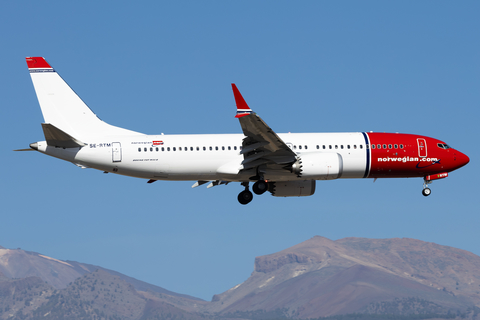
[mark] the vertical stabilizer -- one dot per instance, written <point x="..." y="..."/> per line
<point x="63" y="108"/>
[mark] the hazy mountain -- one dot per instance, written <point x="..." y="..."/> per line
<point x="95" y="295"/>
<point x="316" y="278"/>
<point x="21" y="264"/>
<point x="321" y="277"/>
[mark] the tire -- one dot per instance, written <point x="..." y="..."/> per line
<point x="426" y="192"/>
<point x="260" y="187"/>
<point x="245" y="197"/>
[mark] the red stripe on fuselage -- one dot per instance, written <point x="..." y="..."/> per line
<point x="397" y="155"/>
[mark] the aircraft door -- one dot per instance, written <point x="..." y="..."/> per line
<point x="116" y="152"/>
<point x="422" y="147"/>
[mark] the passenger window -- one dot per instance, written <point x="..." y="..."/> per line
<point x="300" y="147"/>
<point x="401" y="146"/>
<point x="323" y="146"/>
<point x="223" y="148"/>
<point x="330" y="146"/>
<point x="204" y="148"/>
<point x="336" y="146"/>
<point x="145" y="149"/>
<point x="373" y="146"/>
<point x="156" y="149"/>
<point x="198" y="148"/>
<point x="361" y="146"/>
<point x="318" y="147"/>
<point x="384" y="146"/>
<point x="174" y="149"/>
<point x="341" y="147"/>
<point x="163" y="148"/>
<point x="348" y="146"/>
<point x="235" y="148"/>
<point x="229" y="148"/>
<point x="306" y="147"/>
<point x="294" y="147"/>
<point x="395" y="146"/>
<point x="168" y="148"/>
<point x="139" y="149"/>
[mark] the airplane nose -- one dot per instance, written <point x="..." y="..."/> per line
<point x="461" y="159"/>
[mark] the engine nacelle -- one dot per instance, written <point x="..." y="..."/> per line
<point x="301" y="188"/>
<point x="319" y="166"/>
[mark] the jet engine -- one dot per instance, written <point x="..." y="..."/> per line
<point x="301" y="188"/>
<point x="318" y="166"/>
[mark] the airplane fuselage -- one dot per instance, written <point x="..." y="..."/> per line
<point x="217" y="156"/>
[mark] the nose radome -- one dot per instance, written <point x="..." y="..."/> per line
<point x="462" y="159"/>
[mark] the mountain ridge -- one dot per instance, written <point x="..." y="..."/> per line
<point x="18" y="263"/>
<point x="316" y="278"/>
<point x="432" y="269"/>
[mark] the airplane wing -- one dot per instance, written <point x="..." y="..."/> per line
<point x="261" y="144"/>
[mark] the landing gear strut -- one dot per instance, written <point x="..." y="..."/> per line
<point x="426" y="190"/>
<point x="246" y="195"/>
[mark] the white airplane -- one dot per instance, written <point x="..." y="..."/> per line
<point x="287" y="165"/>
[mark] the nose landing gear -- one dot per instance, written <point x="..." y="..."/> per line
<point x="426" y="190"/>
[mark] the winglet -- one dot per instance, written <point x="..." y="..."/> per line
<point x="37" y="63"/>
<point x="242" y="107"/>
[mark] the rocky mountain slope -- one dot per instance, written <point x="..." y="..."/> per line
<point x="21" y="264"/>
<point x="316" y="278"/>
<point x="321" y="277"/>
<point x="95" y="295"/>
<point x="34" y="286"/>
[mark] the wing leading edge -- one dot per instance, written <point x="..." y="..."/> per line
<point x="261" y="145"/>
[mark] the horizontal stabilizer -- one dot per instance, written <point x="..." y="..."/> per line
<point x="58" y="138"/>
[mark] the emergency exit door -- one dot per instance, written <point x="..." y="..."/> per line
<point x="422" y="147"/>
<point x="116" y="152"/>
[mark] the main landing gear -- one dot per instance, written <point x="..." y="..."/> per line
<point x="260" y="187"/>
<point x="426" y="190"/>
<point x="246" y="196"/>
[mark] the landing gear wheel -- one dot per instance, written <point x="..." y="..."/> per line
<point x="245" y="197"/>
<point x="260" y="187"/>
<point x="426" y="192"/>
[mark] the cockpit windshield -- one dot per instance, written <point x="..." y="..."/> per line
<point x="443" y="145"/>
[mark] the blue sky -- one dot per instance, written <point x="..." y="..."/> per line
<point x="310" y="66"/>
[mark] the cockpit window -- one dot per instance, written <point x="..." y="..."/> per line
<point x="443" y="145"/>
